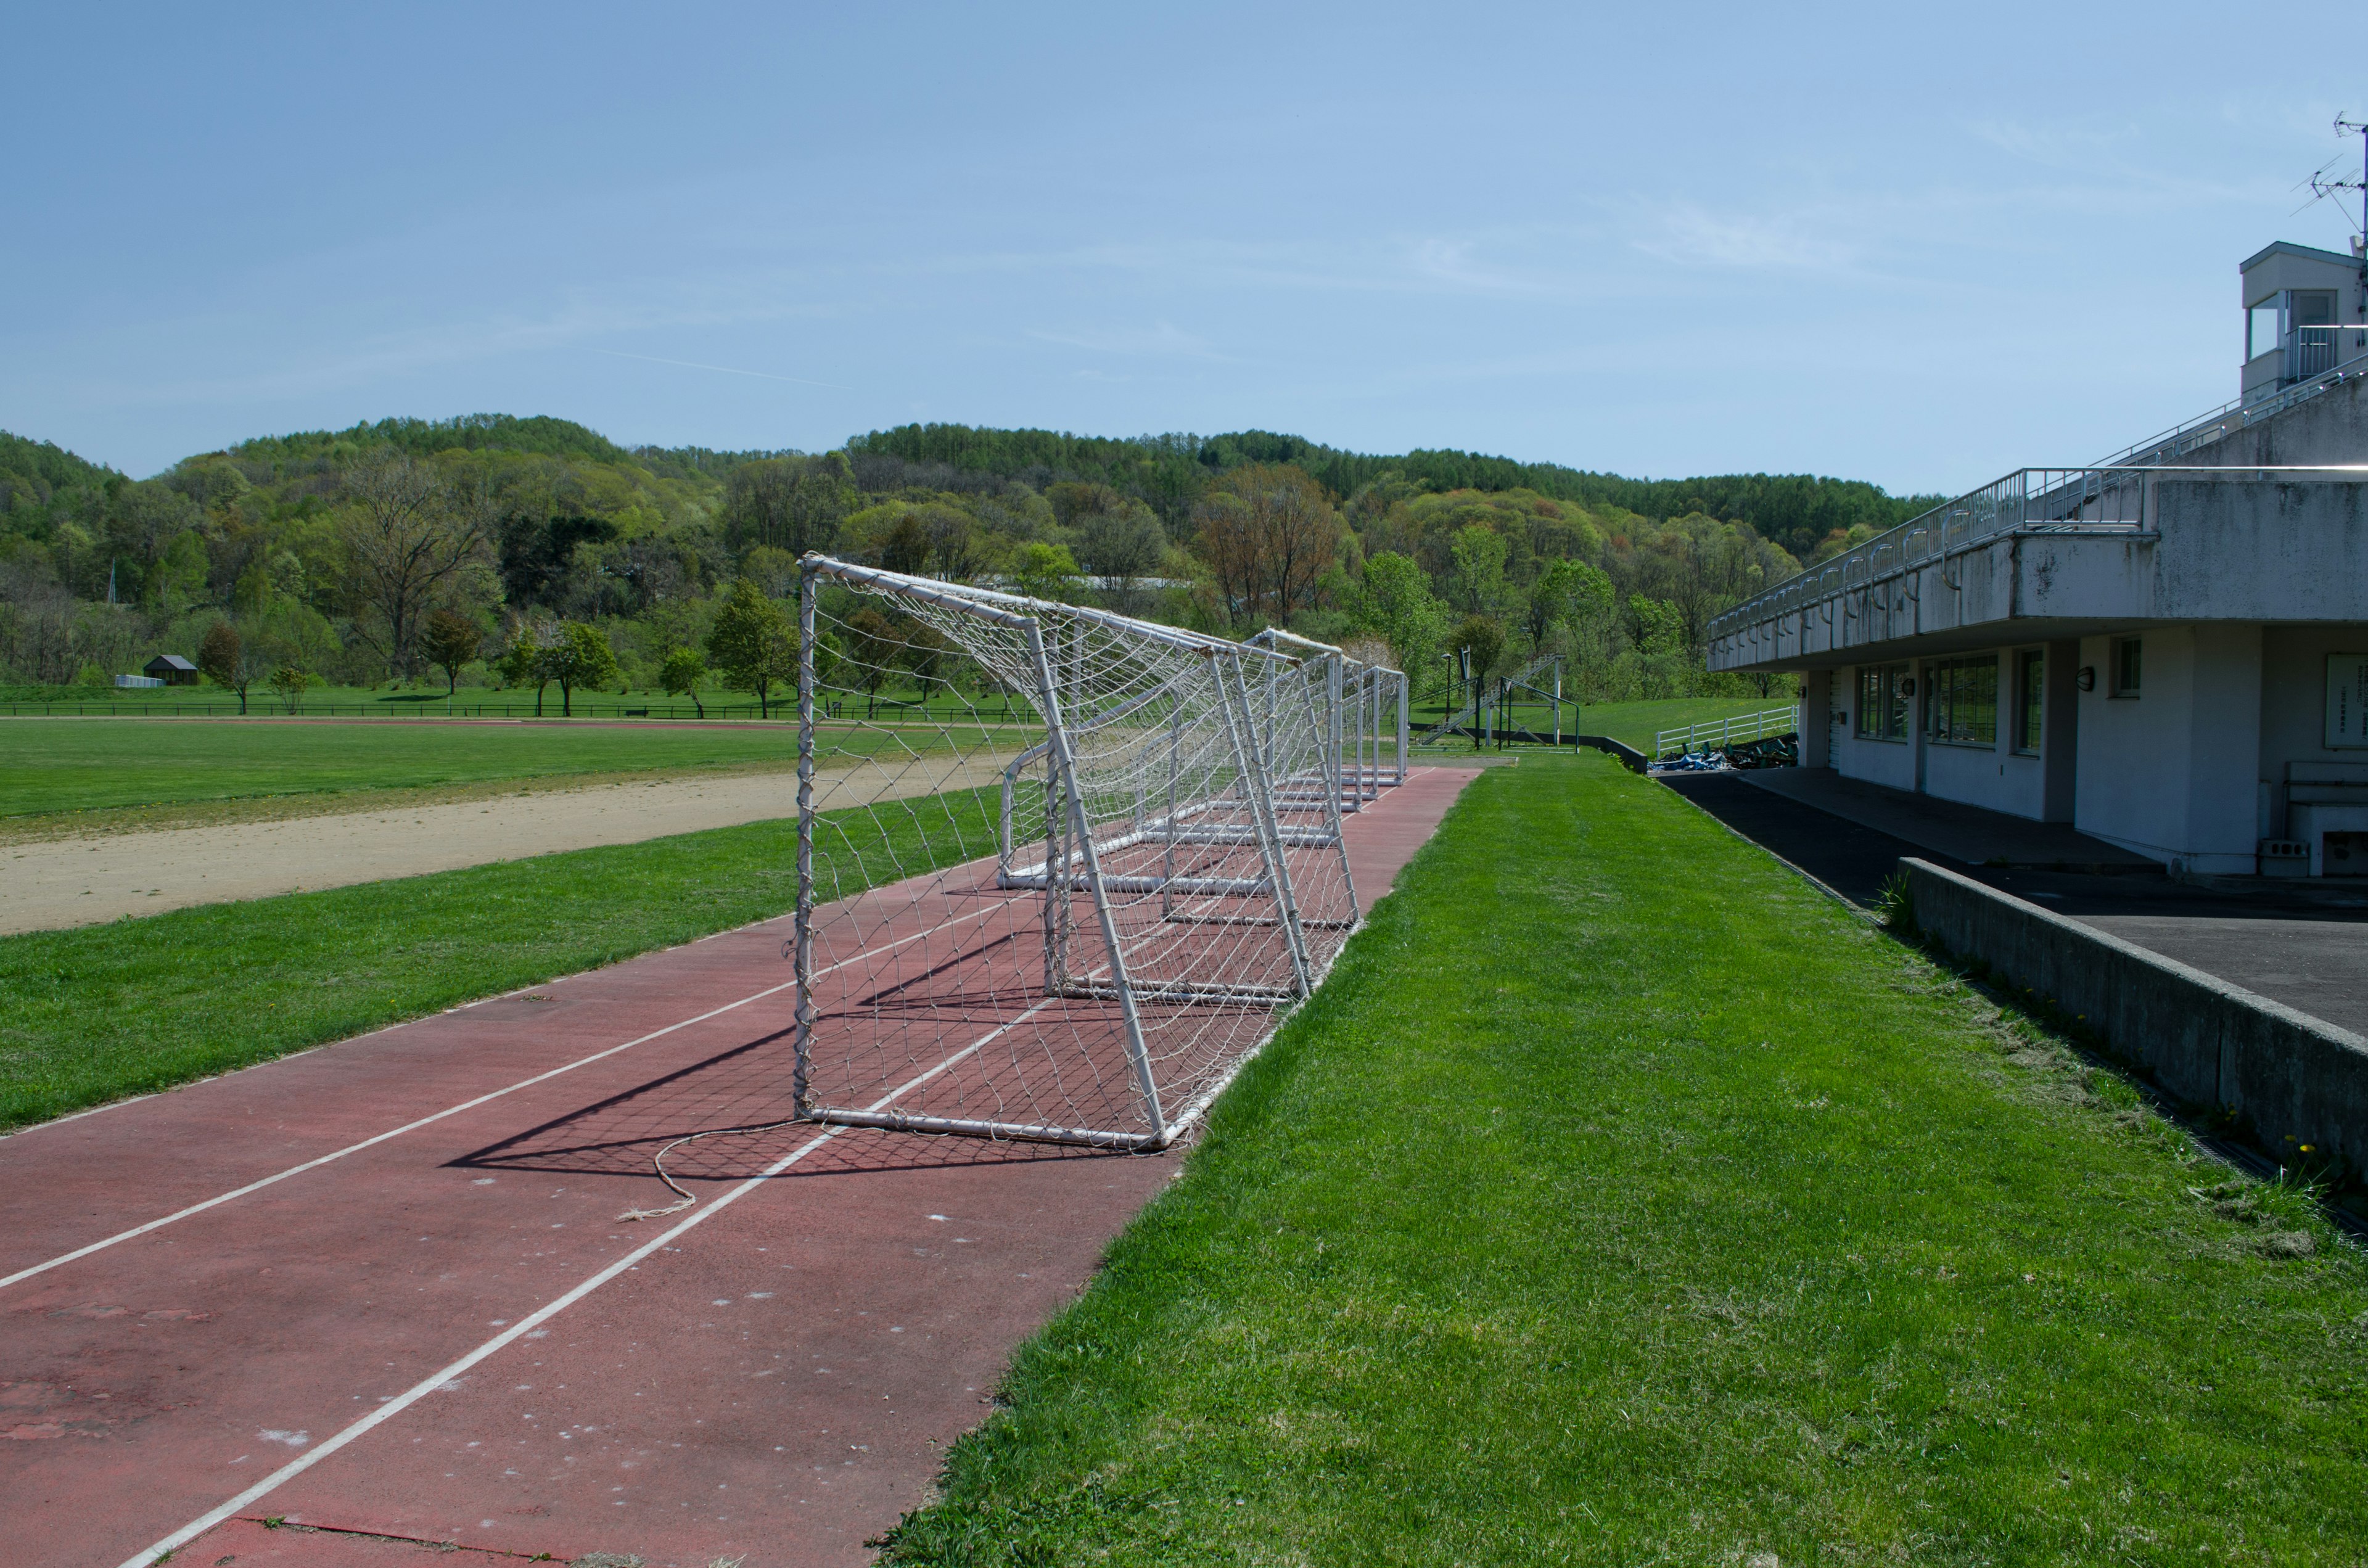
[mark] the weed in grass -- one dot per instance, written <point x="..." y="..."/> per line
<point x="1786" y="1243"/>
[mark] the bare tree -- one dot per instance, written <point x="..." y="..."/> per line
<point x="1268" y="532"/>
<point x="407" y="535"/>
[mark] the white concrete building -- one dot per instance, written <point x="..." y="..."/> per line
<point x="2168" y="650"/>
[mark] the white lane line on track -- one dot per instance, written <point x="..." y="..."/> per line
<point x="435" y="1379"/>
<point x="216" y="1201"/>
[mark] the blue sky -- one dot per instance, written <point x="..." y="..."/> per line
<point x="1919" y="245"/>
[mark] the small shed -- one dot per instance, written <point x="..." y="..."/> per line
<point x="172" y="669"/>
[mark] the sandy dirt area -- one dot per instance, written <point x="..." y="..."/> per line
<point x="86" y="881"/>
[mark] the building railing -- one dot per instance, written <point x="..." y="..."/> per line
<point x="2029" y="497"/>
<point x="2030" y="500"/>
<point x="2310" y="352"/>
<point x="2238" y="413"/>
<point x="1716" y="735"/>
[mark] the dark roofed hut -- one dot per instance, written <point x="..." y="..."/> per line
<point x="172" y="669"/>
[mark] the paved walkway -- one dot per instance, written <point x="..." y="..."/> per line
<point x="1969" y="834"/>
<point x="459" y="1340"/>
<point x="2306" y="947"/>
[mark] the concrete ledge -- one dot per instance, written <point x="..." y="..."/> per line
<point x="2291" y="1078"/>
<point x="1629" y="755"/>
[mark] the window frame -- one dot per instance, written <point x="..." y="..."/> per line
<point x="1950" y="690"/>
<point x="2127" y="654"/>
<point x="1883" y="712"/>
<point x="2029" y="700"/>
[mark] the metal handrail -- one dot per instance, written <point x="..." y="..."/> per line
<point x="2234" y="415"/>
<point x="2029" y="499"/>
<point x="1723" y="731"/>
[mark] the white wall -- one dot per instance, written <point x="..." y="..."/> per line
<point x="2173" y="773"/>
<point x="2293" y="704"/>
<point x="1855" y="756"/>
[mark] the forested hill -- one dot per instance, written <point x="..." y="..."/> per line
<point x="1169" y="472"/>
<point x="356" y="554"/>
<point x="33" y="472"/>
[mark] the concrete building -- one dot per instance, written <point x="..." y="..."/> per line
<point x="2168" y="650"/>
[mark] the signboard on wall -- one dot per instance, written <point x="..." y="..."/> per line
<point x="2347" y="702"/>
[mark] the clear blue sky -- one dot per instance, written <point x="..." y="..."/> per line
<point x="1917" y="244"/>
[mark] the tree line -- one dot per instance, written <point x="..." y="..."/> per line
<point x="533" y="553"/>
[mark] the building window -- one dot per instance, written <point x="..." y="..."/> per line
<point x="2031" y="692"/>
<point x="1882" y="704"/>
<point x="2129" y="665"/>
<point x="2264" y="326"/>
<point x="1963" y="706"/>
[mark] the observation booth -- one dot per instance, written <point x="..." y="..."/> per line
<point x="2306" y="312"/>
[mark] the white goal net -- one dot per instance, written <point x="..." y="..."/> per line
<point x="1059" y="870"/>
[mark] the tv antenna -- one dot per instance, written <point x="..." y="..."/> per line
<point x="2323" y="188"/>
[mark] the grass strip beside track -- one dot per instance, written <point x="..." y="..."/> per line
<point x="97" y="1013"/>
<point x="66" y="768"/>
<point x="1622" y="1200"/>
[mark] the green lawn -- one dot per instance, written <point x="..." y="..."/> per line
<point x="61" y="765"/>
<point x="89" y="1015"/>
<point x="1622" y="1201"/>
<point x="384" y="702"/>
<point x="1633" y="723"/>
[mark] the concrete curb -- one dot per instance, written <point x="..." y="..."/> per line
<point x="1628" y="755"/>
<point x="2292" y="1078"/>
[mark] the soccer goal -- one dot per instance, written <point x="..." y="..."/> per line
<point x="1057" y="872"/>
<point x="1366" y="707"/>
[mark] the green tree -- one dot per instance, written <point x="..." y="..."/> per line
<point x="875" y="648"/>
<point x="579" y="656"/>
<point x="289" y="684"/>
<point x="1044" y="571"/>
<point x="753" y="644"/>
<point x="1481" y="640"/>
<point x="1395" y="604"/>
<point x="681" y="675"/>
<point x="1478" y="551"/>
<point x="521" y="662"/>
<point x="450" y="640"/>
<point x="219" y="659"/>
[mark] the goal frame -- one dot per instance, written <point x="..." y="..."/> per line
<point x="1255" y="732"/>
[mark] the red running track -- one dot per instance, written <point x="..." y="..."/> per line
<point x="449" y="1340"/>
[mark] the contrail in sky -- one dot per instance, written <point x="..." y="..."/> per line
<point x="726" y="369"/>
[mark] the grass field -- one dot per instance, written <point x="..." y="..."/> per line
<point x="1599" y="1214"/>
<point x="1633" y="723"/>
<point x="90" y="1015"/>
<point x="71" y="765"/>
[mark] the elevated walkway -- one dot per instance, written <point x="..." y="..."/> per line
<point x="1971" y="835"/>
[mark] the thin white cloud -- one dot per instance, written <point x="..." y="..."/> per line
<point x="1164" y="338"/>
<point x="722" y="370"/>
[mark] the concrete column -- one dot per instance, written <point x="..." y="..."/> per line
<point x="2224" y="749"/>
<point x="1920" y="670"/>
<point x="2059" y="734"/>
<point x="1816" y="717"/>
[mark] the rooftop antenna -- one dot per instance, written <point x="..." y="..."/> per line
<point x="2323" y="188"/>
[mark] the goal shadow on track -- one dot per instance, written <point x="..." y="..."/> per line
<point x="745" y="1086"/>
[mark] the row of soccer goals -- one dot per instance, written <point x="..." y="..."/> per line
<point x="1060" y="871"/>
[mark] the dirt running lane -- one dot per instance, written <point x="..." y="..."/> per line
<point x="779" y="1381"/>
<point x="84" y="882"/>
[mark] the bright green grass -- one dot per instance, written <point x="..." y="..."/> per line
<point x="1633" y="723"/>
<point x="1622" y="1201"/>
<point x="90" y="1015"/>
<point x="58" y="765"/>
<point x="1638" y="723"/>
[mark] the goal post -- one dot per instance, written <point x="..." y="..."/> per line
<point x="1094" y="858"/>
